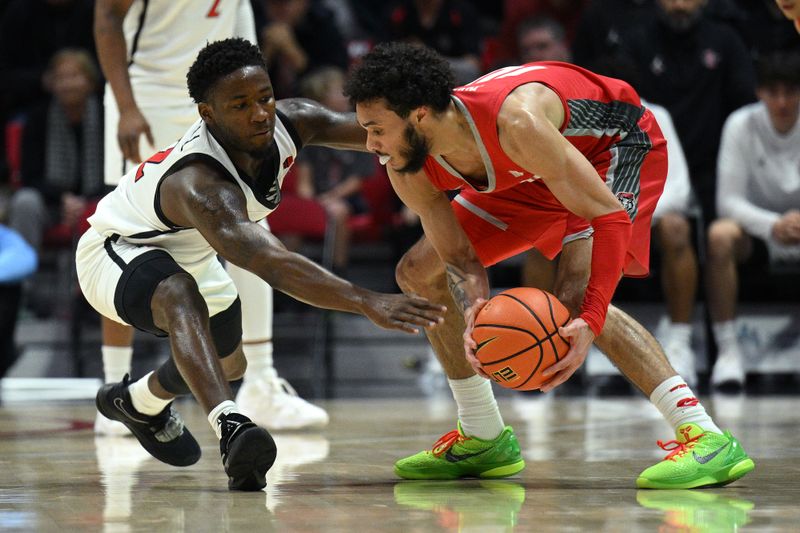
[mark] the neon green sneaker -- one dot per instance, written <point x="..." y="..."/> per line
<point x="694" y="510"/>
<point x="480" y="505"/>
<point x="697" y="459"/>
<point x="455" y="456"/>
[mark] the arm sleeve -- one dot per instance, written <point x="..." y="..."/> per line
<point x="17" y="258"/>
<point x="733" y="176"/>
<point x="612" y="233"/>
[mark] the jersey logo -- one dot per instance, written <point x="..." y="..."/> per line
<point x="516" y="173"/>
<point x="154" y="159"/>
<point x="288" y="162"/>
<point x="213" y="12"/>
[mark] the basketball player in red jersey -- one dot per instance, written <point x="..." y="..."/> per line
<point x="545" y="155"/>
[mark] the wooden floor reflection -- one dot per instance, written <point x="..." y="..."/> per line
<point x="583" y="456"/>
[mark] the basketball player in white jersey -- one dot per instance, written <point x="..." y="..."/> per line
<point x="145" y="49"/>
<point x="150" y="257"/>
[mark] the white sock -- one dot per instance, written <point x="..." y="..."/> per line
<point x="725" y="335"/>
<point x="477" y="407"/>
<point x="145" y="401"/>
<point x="116" y="362"/>
<point x="681" y="332"/>
<point x="259" y="359"/>
<point x="678" y="404"/>
<point x="225" y="408"/>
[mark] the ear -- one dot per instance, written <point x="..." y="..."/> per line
<point x="205" y="112"/>
<point x="419" y="114"/>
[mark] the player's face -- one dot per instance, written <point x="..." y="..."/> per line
<point x="790" y="8"/>
<point x="783" y="105"/>
<point x="395" y="139"/>
<point x="241" y="110"/>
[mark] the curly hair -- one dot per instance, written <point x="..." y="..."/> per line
<point x="218" y="59"/>
<point x="406" y="76"/>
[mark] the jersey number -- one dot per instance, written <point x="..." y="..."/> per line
<point x="155" y="159"/>
<point x="213" y="13"/>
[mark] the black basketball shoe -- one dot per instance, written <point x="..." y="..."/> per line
<point x="248" y="451"/>
<point x="163" y="435"/>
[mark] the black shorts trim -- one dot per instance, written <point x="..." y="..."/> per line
<point x="137" y="285"/>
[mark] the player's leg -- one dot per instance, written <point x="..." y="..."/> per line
<point x="166" y="124"/>
<point x="481" y="445"/>
<point x="727" y="245"/>
<point x="679" y="274"/>
<point x="264" y="396"/>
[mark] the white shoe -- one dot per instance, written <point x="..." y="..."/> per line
<point x="681" y="357"/>
<point x="272" y="403"/>
<point x="728" y="370"/>
<point x="110" y="428"/>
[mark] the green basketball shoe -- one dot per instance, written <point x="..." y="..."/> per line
<point x="455" y="456"/>
<point x="695" y="510"/>
<point x="697" y="459"/>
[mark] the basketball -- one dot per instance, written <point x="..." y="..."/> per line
<point x="517" y="336"/>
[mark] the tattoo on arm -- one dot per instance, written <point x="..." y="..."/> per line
<point x="455" y="283"/>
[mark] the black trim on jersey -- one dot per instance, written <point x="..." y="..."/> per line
<point x="179" y="164"/>
<point x="265" y="186"/>
<point x="139" y="28"/>
<point x="298" y="142"/>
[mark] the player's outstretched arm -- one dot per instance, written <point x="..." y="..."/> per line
<point x="318" y="125"/>
<point x="216" y="207"/>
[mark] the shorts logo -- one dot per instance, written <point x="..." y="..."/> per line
<point x="628" y="201"/>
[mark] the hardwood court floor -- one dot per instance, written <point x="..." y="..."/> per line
<point x="583" y="455"/>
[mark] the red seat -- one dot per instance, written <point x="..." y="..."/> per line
<point x="14" y="129"/>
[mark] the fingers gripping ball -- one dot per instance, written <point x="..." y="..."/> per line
<point x="517" y="336"/>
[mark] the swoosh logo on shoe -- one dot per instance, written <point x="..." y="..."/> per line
<point x="454" y="458"/>
<point x="703" y="459"/>
<point x="119" y="404"/>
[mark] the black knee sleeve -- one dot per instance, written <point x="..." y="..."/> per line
<point x="226" y="332"/>
<point x="170" y="378"/>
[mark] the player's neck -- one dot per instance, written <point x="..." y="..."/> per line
<point x="453" y="137"/>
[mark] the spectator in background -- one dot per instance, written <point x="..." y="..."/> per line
<point x="31" y="31"/>
<point x="297" y="37"/>
<point x="565" y="12"/>
<point x="448" y="26"/>
<point x="333" y="177"/>
<point x="758" y="197"/>
<point x="542" y="39"/>
<point x="764" y="27"/>
<point x="605" y="25"/>
<point x="62" y="158"/>
<point x="791" y="10"/>
<point x="700" y="71"/>
<point x="17" y="261"/>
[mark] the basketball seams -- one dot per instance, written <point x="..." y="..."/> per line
<point x="509" y="320"/>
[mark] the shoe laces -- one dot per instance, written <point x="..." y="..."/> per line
<point x="447" y="441"/>
<point x="677" y="448"/>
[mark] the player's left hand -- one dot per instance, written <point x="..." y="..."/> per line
<point x="469" y="343"/>
<point x="580" y="337"/>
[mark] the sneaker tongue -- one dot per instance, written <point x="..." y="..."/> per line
<point x="687" y="432"/>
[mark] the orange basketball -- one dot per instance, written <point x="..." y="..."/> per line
<point x="517" y="336"/>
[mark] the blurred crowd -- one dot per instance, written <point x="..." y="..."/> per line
<point x="724" y="75"/>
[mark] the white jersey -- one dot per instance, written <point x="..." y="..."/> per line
<point x="132" y="213"/>
<point x="164" y="36"/>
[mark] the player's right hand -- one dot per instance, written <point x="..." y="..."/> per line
<point x="398" y="311"/>
<point x="132" y="125"/>
<point x="469" y="343"/>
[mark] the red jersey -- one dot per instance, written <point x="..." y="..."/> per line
<point x="598" y="112"/>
